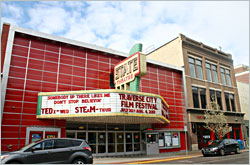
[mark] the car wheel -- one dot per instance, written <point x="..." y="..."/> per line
<point x="237" y="150"/>
<point x="205" y="155"/>
<point x="78" y="161"/>
<point x="222" y="152"/>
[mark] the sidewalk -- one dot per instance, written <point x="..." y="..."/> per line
<point x="127" y="159"/>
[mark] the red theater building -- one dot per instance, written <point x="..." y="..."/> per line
<point x="57" y="87"/>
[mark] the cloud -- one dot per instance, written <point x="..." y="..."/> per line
<point x="119" y="25"/>
<point x="11" y="13"/>
<point x="48" y="18"/>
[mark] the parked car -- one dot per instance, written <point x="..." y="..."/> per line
<point x="56" y="151"/>
<point x="221" y="147"/>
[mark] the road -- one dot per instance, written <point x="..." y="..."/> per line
<point x="242" y="158"/>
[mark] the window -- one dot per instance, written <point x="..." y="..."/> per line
<point x="37" y="146"/>
<point x="230" y="102"/>
<point x="191" y="67"/>
<point x="229" y="83"/>
<point x="199" y="69"/>
<point x="169" y="139"/>
<point x="223" y="79"/>
<point x="76" y="142"/>
<point x="215" y="74"/>
<point x="227" y="101"/>
<point x="48" y="144"/>
<point x="195" y="97"/>
<point x="61" y="143"/>
<point x="192" y="62"/>
<point x="199" y="97"/>
<point x="216" y="95"/>
<point x="203" y="98"/>
<point x="209" y="74"/>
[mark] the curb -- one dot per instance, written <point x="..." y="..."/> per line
<point x="172" y="157"/>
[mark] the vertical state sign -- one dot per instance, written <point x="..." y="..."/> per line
<point x="128" y="69"/>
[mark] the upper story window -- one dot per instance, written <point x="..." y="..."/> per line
<point x="195" y="68"/>
<point x="230" y="102"/>
<point x="225" y="76"/>
<point x="199" y="97"/>
<point x="215" y="74"/>
<point x="199" y="69"/>
<point x="223" y="79"/>
<point x="191" y="67"/>
<point x="209" y="73"/>
<point x="229" y="83"/>
<point x="196" y="97"/>
<point x="216" y="96"/>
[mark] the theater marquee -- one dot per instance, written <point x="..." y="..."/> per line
<point x="103" y="105"/>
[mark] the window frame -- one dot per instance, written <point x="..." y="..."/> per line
<point x="216" y="98"/>
<point x="200" y="102"/>
<point x="193" y="71"/>
<point x="208" y="69"/>
<point x="199" y="69"/>
<point x="228" y="77"/>
<point x="232" y="106"/>
<point x="216" y="80"/>
<point x="194" y="105"/>
<point x="223" y="76"/>
<point x="169" y="133"/>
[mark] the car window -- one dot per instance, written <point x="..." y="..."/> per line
<point x="37" y="146"/>
<point x="233" y="141"/>
<point x="215" y="143"/>
<point x="226" y="141"/>
<point x="47" y="144"/>
<point x="76" y="142"/>
<point x="62" y="143"/>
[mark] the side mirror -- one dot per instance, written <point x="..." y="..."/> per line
<point x="33" y="149"/>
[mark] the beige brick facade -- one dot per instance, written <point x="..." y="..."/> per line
<point x="177" y="52"/>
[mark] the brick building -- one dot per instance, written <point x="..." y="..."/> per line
<point x="37" y="67"/>
<point x="242" y="79"/>
<point x="208" y="72"/>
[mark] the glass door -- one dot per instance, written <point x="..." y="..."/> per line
<point x="111" y="142"/>
<point x="120" y="141"/>
<point x="92" y="141"/>
<point x="129" y="145"/>
<point x="137" y="143"/>
<point x="101" y="142"/>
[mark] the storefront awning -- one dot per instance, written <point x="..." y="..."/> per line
<point x="103" y="106"/>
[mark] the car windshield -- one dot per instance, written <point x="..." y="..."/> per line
<point x="215" y="143"/>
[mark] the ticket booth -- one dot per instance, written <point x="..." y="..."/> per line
<point x="152" y="143"/>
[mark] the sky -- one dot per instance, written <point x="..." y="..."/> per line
<point x="119" y="25"/>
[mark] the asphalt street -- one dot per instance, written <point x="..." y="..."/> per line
<point x="242" y="158"/>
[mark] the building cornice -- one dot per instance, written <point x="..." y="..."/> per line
<point x="213" y="55"/>
<point x="197" y="110"/>
<point x="241" y="73"/>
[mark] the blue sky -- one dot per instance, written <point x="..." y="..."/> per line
<point x="120" y="24"/>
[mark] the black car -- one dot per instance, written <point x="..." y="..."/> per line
<point x="56" y="151"/>
<point x="221" y="147"/>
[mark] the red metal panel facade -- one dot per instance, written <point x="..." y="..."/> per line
<point x="42" y="66"/>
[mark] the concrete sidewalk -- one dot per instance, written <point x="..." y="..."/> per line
<point x="127" y="159"/>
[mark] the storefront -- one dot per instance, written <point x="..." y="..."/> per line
<point x="39" y="66"/>
<point x="202" y="136"/>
